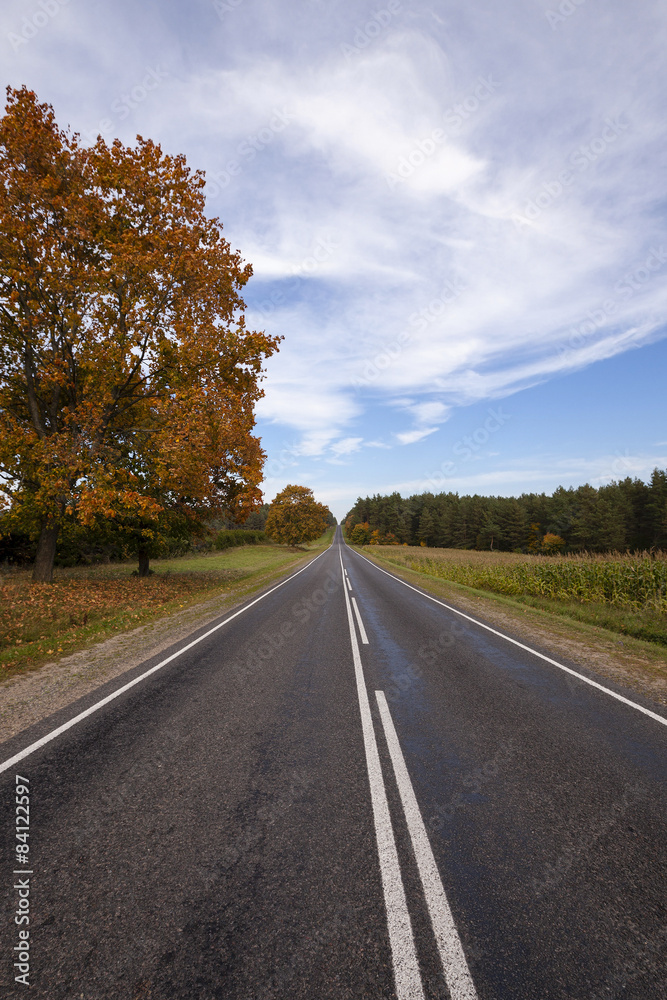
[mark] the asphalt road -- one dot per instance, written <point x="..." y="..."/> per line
<point x="253" y="820"/>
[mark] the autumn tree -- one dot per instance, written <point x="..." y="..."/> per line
<point x="360" y="534"/>
<point x="296" y="517"/>
<point x="128" y="378"/>
<point x="552" y="544"/>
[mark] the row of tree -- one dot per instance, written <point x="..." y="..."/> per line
<point x="127" y="376"/>
<point x="294" y="517"/>
<point x="621" y="516"/>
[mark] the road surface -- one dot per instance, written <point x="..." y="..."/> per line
<point x="344" y="789"/>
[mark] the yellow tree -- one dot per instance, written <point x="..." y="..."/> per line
<point x="360" y="534"/>
<point x="128" y="378"/>
<point x="295" y="516"/>
<point x="552" y="544"/>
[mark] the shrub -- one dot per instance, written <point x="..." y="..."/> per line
<point x="230" y="538"/>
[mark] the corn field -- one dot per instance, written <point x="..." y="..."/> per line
<point x="633" y="582"/>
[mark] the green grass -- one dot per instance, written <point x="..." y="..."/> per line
<point x="84" y="605"/>
<point x="241" y="559"/>
<point x="233" y="562"/>
<point x="626" y="594"/>
<point x="323" y="541"/>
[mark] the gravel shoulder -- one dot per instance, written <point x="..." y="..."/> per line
<point x="635" y="665"/>
<point x="28" y="698"/>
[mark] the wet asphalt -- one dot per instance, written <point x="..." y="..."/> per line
<point x="209" y="833"/>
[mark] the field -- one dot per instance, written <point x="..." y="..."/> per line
<point x="623" y="593"/>
<point x="40" y="622"/>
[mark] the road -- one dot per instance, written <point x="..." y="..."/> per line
<point x="344" y="789"/>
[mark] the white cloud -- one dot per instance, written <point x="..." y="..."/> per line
<point x="526" y="291"/>
<point x="410" y="437"/>
<point x="539" y="473"/>
<point x="313" y="143"/>
<point x="346" y="446"/>
<point x="426" y="413"/>
<point x="478" y="273"/>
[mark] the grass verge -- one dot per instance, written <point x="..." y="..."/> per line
<point x="40" y="623"/>
<point x="554" y="627"/>
<point x="622" y="593"/>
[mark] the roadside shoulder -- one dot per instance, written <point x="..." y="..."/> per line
<point x="28" y="698"/>
<point x="631" y="663"/>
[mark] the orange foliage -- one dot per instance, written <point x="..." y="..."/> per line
<point x="552" y="544"/>
<point x="377" y="538"/>
<point x="129" y="378"/>
<point x="295" y="516"/>
<point x="38" y="621"/>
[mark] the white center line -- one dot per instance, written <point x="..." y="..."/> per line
<point x="362" y="630"/>
<point x="349" y="585"/>
<point x="521" y="645"/>
<point x="457" y="974"/>
<point x="406" y="968"/>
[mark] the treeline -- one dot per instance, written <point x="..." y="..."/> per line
<point x="85" y="546"/>
<point x="255" y="522"/>
<point x="629" y="515"/>
<point x="79" y="545"/>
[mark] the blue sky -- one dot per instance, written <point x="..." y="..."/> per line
<point x="455" y="213"/>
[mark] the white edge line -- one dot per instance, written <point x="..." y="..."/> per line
<point x="406" y="967"/>
<point x="362" y="630"/>
<point x="455" y="967"/>
<point x="126" y="687"/>
<point x="521" y="645"/>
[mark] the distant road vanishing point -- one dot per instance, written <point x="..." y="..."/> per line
<point x="343" y="788"/>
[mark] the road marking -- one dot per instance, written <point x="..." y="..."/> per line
<point x="457" y="974"/>
<point x="126" y="687"/>
<point x="362" y="630"/>
<point x="347" y="581"/>
<point x="521" y="645"/>
<point x="406" y="968"/>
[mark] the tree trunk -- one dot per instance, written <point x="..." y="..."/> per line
<point x="144" y="561"/>
<point x="46" y="552"/>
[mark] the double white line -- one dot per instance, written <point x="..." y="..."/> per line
<point x="406" y="966"/>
